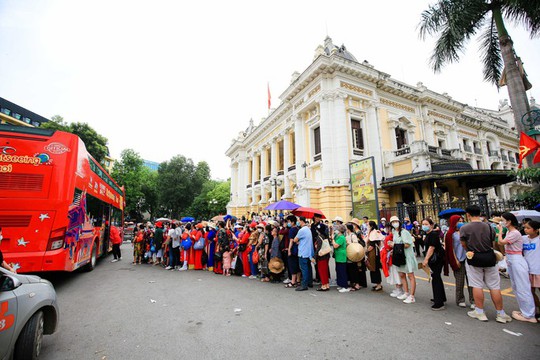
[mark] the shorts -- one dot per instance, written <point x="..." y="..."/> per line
<point x="159" y="253"/>
<point x="479" y="276"/>
<point x="294" y="265"/>
<point x="535" y="280"/>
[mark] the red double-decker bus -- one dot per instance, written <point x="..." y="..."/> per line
<point x="56" y="202"/>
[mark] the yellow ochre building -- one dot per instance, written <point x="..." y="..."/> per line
<point x="339" y="111"/>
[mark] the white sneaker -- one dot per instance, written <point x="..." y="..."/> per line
<point x="168" y="268"/>
<point x="473" y="307"/>
<point x="403" y="296"/>
<point x="182" y="269"/>
<point x="287" y="281"/>
<point x="503" y="319"/>
<point x="409" y="300"/>
<point x="344" y="290"/>
<point x="462" y="305"/>
<point x="252" y="277"/>
<point x="396" y="293"/>
<point x="114" y="260"/>
<point x="244" y="275"/>
<point x="476" y="315"/>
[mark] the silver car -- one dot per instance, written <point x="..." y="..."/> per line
<point x="28" y="309"/>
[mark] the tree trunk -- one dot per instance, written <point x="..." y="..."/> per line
<point x="514" y="81"/>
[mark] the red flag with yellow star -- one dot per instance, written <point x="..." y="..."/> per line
<point x="526" y="146"/>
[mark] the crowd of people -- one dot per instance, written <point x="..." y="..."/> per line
<point x="297" y="251"/>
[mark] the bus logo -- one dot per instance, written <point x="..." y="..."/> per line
<point x="57" y="148"/>
<point x="6" y="168"/>
<point x="7" y="150"/>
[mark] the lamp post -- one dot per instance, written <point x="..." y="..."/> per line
<point x="305" y="165"/>
<point x="275" y="182"/>
<point x="437" y="195"/>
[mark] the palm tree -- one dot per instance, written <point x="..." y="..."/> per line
<point x="456" y="21"/>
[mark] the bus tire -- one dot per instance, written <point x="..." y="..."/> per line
<point x="28" y="344"/>
<point x="93" y="259"/>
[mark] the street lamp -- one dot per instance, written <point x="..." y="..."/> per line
<point x="305" y="165"/>
<point x="275" y="182"/>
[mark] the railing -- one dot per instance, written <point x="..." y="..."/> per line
<point x="258" y="182"/>
<point x="280" y="172"/>
<point x="291" y="168"/>
<point x="446" y="152"/>
<point x="403" y="151"/>
<point x="432" y="149"/>
<point x="493" y="153"/>
<point x="504" y="157"/>
<point x="512" y="159"/>
<point x="467" y="148"/>
<point x="248" y="186"/>
<point x="359" y="152"/>
<point x="266" y="178"/>
<point x="317" y="157"/>
<point x="418" y="212"/>
<point x="478" y="151"/>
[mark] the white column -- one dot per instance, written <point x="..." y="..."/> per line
<point x="242" y="182"/>
<point x="286" y="163"/>
<point x="234" y="182"/>
<point x="326" y="123"/>
<point x="253" y="177"/>
<point x="299" y="142"/>
<point x="264" y="160"/>
<point x="372" y="142"/>
<point x="273" y="158"/>
<point x="340" y="146"/>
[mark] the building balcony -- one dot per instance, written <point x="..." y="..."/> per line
<point x="248" y="186"/>
<point x="266" y="178"/>
<point x="494" y="153"/>
<point x="317" y="157"/>
<point x="402" y="151"/>
<point x="258" y="182"/>
<point x="504" y="157"/>
<point x="478" y="151"/>
<point x="280" y="172"/>
<point x="512" y="159"/>
<point x="291" y="168"/>
<point x="467" y="148"/>
<point x="359" y="152"/>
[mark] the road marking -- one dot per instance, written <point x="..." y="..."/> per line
<point x="505" y="292"/>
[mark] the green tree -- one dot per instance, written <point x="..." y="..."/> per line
<point x="456" y="21"/>
<point x="128" y="171"/>
<point x="149" y="202"/>
<point x="179" y="182"/>
<point x="531" y="176"/>
<point x="95" y="143"/>
<point x="211" y="201"/>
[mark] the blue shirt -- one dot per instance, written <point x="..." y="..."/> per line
<point x="305" y="243"/>
<point x="458" y="248"/>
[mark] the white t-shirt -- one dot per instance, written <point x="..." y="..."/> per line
<point x="174" y="237"/>
<point x="531" y="252"/>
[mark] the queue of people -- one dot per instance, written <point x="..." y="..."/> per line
<point x="298" y="251"/>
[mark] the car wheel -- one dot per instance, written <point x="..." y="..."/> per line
<point x="28" y="344"/>
<point x="92" y="264"/>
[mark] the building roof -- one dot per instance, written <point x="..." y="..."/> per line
<point x="21" y="111"/>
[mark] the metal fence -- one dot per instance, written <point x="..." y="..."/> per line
<point x="417" y="212"/>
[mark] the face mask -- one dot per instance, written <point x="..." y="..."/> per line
<point x="395" y="224"/>
<point x="289" y="224"/>
<point x="459" y="225"/>
<point x="298" y="223"/>
<point x="260" y="230"/>
<point x="383" y="222"/>
<point x="425" y="228"/>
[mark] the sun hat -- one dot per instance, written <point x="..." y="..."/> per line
<point x="275" y="265"/>
<point x="383" y="219"/>
<point x="253" y="225"/>
<point x="338" y="218"/>
<point x="394" y="218"/>
<point x="260" y="225"/>
<point x="496" y="219"/>
<point x="356" y="222"/>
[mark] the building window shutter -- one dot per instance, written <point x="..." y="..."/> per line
<point x="317" y="140"/>
<point x="401" y="138"/>
<point x="357" y="135"/>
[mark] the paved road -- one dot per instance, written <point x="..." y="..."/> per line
<point x="109" y="314"/>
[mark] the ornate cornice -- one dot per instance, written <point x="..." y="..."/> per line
<point x="397" y="105"/>
<point x="355" y="88"/>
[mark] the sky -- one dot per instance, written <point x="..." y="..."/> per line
<point x="172" y="77"/>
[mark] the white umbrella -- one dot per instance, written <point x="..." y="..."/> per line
<point x="163" y="219"/>
<point x="531" y="214"/>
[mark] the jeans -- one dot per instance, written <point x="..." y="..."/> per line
<point x="253" y="266"/>
<point x="307" y="272"/>
<point x="174" y="256"/>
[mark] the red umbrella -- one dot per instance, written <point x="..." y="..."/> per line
<point x="308" y="212"/>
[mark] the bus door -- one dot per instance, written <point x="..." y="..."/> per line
<point x="106" y="243"/>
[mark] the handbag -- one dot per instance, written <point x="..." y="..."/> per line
<point x="186" y="244"/>
<point x="255" y="257"/>
<point x="199" y="245"/>
<point x="242" y="247"/>
<point x="482" y="259"/>
<point x="398" y="255"/>
<point x="325" y="248"/>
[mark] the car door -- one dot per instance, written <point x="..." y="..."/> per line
<point x="8" y="312"/>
